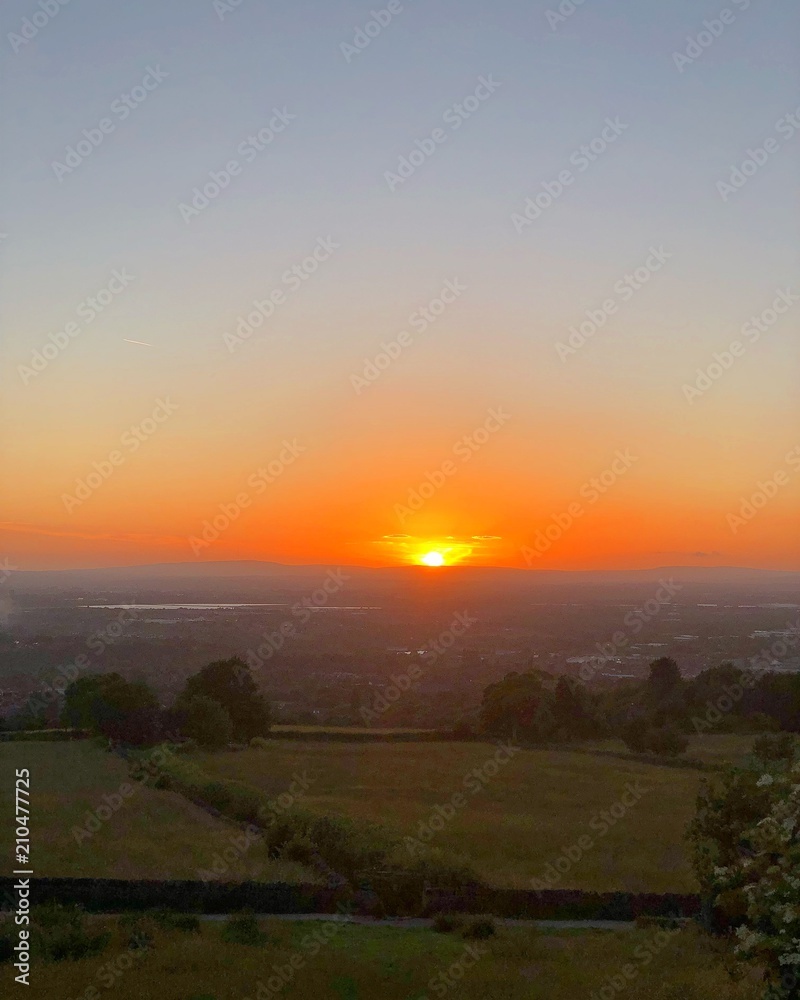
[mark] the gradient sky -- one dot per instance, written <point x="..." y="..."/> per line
<point x="494" y="347"/>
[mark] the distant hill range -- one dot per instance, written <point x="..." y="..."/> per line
<point x="211" y="578"/>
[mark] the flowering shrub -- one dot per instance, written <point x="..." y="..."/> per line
<point x="747" y="856"/>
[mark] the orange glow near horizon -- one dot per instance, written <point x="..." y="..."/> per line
<point x="372" y="493"/>
<point x="432" y="559"/>
<point x="354" y="366"/>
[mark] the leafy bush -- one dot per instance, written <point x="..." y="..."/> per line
<point x="746" y="839"/>
<point x="479" y="929"/>
<point x="670" y="923"/>
<point x="140" y="940"/>
<point x="230" y="682"/>
<point x="437" y="868"/>
<point x="666" y="742"/>
<point x="243" y="929"/>
<point x="774" y="746"/>
<point x="299" y="848"/>
<point x="170" y="920"/>
<point x="760" y="722"/>
<point x="445" y="923"/>
<point x="207" y="722"/>
<point x="634" y="735"/>
<point x="59" y="933"/>
<point x="350" y="848"/>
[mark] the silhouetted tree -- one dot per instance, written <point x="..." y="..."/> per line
<point x="520" y="705"/>
<point x="207" y="722"/>
<point x="118" y="709"/>
<point x="231" y="683"/>
<point x="664" y="677"/>
<point x="573" y="709"/>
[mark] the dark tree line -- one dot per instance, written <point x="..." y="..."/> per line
<point x="654" y="715"/>
<point x="219" y="704"/>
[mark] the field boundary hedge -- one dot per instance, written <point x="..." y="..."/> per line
<point x="433" y="736"/>
<point x="43" y="735"/>
<point x="121" y="895"/>
<point x="654" y="760"/>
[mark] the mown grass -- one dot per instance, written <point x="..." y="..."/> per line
<point x="153" y="834"/>
<point x="537" y="805"/>
<point x="348" y="962"/>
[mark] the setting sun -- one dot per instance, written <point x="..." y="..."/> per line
<point x="432" y="559"/>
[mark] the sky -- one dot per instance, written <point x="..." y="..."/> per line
<point x="508" y="258"/>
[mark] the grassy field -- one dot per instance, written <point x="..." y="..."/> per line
<point x="333" y="962"/>
<point x="512" y="824"/>
<point x="722" y="749"/>
<point x="152" y="834"/>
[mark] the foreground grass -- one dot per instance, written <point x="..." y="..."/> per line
<point x="152" y="834"/>
<point x="335" y="962"/>
<point x="511" y="825"/>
